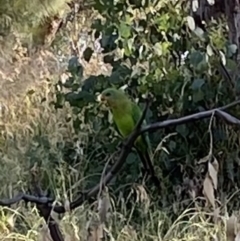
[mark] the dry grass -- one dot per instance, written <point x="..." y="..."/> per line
<point x="83" y="224"/>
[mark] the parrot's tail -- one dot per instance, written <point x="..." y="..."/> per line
<point x="148" y="166"/>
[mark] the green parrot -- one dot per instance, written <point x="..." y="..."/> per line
<point x="126" y="114"/>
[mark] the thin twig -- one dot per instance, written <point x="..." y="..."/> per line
<point x="211" y="135"/>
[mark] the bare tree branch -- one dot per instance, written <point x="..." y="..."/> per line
<point x="187" y="119"/>
<point x="26" y="198"/>
<point x="43" y="209"/>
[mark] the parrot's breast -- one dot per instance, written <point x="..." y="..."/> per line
<point x="125" y="124"/>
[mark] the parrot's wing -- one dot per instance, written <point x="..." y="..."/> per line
<point x="116" y="128"/>
<point x="146" y="155"/>
<point x="137" y="113"/>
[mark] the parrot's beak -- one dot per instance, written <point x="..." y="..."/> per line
<point x="99" y="98"/>
<point x="102" y="98"/>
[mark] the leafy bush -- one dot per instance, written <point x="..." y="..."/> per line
<point x="145" y="43"/>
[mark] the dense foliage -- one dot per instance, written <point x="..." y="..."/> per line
<point x="152" y="46"/>
<point x="155" y="46"/>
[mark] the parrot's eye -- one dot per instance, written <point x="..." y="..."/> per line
<point x="107" y="94"/>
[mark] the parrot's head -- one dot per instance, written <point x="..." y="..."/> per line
<point x="112" y="97"/>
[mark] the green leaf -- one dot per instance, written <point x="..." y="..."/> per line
<point x="131" y="159"/>
<point x="158" y="49"/>
<point x="108" y="41"/>
<point x="59" y="100"/>
<point x="197" y="84"/>
<point x="89" y="83"/>
<point x="97" y="24"/>
<point x="76" y="123"/>
<point x="196" y="58"/>
<point x="238" y="84"/>
<point x="220" y="135"/>
<point x="191" y="22"/>
<point x="198" y="96"/>
<point x="231" y="64"/>
<point x="87" y="54"/>
<point x="119" y="75"/>
<point x="182" y="130"/>
<point x="79" y="99"/>
<point x="95" y="83"/>
<point x="74" y="67"/>
<point x="108" y="59"/>
<point x="69" y="82"/>
<point x="125" y="30"/>
<point x="172" y="145"/>
<point x="232" y="48"/>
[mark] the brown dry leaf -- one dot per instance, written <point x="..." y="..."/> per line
<point x="67" y="205"/>
<point x="160" y="145"/>
<point x="204" y="159"/>
<point x="104" y="206"/>
<point x="216" y="215"/>
<point x="142" y="194"/>
<point x="192" y="193"/>
<point x="213" y="174"/>
<point x="143" y="197"/>
<point x="231" y="228"/>
<point x="44" y="234"/>
<point x="129" y="232"/>
<point x="215" y="164"/>
<point x="208" y="190"/>
<point x="95" y="233"/>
